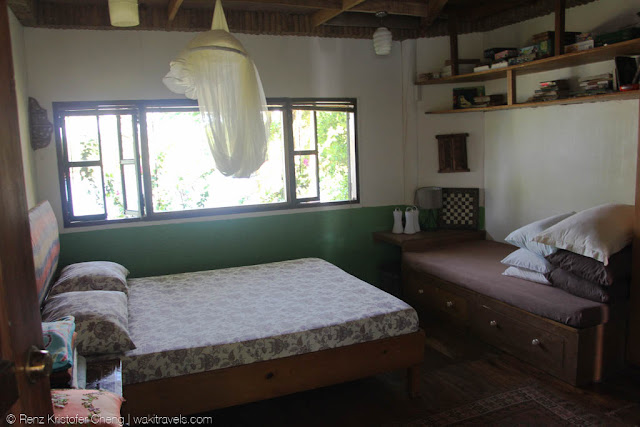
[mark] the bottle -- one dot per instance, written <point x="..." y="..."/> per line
<point x="409" y="227"/>
<point x="397" y="221"/>
<point x="416" y="219"/>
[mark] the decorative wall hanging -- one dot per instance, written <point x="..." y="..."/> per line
<point x="216" y="70"/>
<point x="452" y="153"/>
<point x="460" y="208"/>
<point x="40" y="128"/>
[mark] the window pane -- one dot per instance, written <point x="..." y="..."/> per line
<point x="126" y="128"/>
<point x="334" y="152"/>
<point x="86" y="191"/>
<point x="303" y="130"/>
<point x="82" y="138"/>
<point x="131" y="187"/>
<point x="111" y="164"/>
<point x="183" y="175"/>
<point x="306" y="182"/>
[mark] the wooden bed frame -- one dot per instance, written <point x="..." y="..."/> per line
<point x="196" y="393"/>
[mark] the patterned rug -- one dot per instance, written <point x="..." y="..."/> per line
<point x="527" y="406"/>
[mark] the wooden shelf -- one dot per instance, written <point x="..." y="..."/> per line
<point x="425" y="240"/>
<point x="598" y="54"/>
<point x="617" y="96"/>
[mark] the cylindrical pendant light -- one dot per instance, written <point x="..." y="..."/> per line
<point x="382" y="41"/>
<point x="124" y="13"/>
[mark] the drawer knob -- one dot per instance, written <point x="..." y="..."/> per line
<point x="421" y="291"/>
<point x="450" y="304"/>
<point x="535" y="341"/>
<point x="493" y="323"/>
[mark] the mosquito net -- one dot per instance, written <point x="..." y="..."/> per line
<point x="215" y="69"/>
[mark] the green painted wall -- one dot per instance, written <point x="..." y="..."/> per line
<point x="342" y="237"/>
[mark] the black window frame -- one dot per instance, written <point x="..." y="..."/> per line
<point x="140" y="107"/>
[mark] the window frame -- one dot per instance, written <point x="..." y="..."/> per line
<point x="139" y="108"/>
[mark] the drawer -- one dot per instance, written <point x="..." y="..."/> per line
<point x="432" y="299"/>
<point x="526" y="342"/>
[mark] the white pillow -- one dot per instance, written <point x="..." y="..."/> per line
<point x="526" y="259"/>
<point x="523" y="236"/>
<point x="596" y="233"/>
<point x="531" y="276"/>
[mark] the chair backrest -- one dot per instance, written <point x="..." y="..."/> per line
<point x="46" y="246"/>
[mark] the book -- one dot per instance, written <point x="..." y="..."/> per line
<point x="501" y="64"/>
<point x="481" y="68"/>
<point x="605" y="76"/>
<point x="506" y="54"/>
<point x="579" y="47"/>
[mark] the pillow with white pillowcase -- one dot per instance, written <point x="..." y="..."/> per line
<point x="531" y="276"/>
<point x="523" y="236"/>
<point x="524" y="258"/>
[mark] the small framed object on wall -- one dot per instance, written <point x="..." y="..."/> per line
<point x="452" y="153"/>
<point x="460" y="209"/>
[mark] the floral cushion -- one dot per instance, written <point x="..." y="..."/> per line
<point x="92" y="276"/>
<point x="58" y="341"/>
<point x="102" y="319"/>
<point x="86" y="407"/>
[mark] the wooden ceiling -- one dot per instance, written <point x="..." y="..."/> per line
<point x="324" y="18"/>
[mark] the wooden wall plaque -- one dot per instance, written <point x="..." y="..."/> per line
<point x="452" y="153"/>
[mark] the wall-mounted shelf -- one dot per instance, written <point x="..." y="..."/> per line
<point x="617" y="96"/>
<point x="598" y="54"/>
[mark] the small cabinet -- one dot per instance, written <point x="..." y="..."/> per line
<point x="452" y="152"/>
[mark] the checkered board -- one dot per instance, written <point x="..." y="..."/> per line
<point x="460" y="208"/>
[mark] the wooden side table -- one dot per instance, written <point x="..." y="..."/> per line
<point x="425" y="240"/>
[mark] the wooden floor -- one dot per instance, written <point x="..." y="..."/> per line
<point x="458" y="370"/>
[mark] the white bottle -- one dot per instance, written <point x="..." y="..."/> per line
<point x="409" y="227"/>
<point x="416" y="219"/>
<point x="397" y="221"/>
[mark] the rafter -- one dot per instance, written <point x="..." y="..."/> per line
<point x="174" y="5"/>
<point x="433" y="11"/>
<point x="25" y="11"/>
<point x="323" y="16"/>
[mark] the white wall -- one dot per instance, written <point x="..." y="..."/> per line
<point x="535" y="162"/>
<point x="20" y="76"/>
<point x="76" y="65"/>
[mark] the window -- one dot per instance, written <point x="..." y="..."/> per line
<point x="145" y="160"/>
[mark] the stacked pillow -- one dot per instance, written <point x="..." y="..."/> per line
<point x="95" y="294"/>
<point x="587" y="254"/>
<point x="528" y="262"/>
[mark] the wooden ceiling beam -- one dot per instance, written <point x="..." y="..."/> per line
<point x="367" y="20"/>
<point x="174" y="5"/>
<point x="323" y="16"/>
<point x="433" y="11"/>
<point x="25" y="11"/>
<point x="410" y="8"/>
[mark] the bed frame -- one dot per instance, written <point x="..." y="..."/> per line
<point x="196" y="393"/>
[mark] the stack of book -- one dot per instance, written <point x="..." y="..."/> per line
<point x="489" y="101"/>
<point x="546" y="40"/>
<point x="551" y="90"/>
<point x="594" y="85"/>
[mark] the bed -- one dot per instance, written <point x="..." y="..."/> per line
<point x="213" y="339"/>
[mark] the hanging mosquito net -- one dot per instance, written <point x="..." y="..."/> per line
<point x="215" y="69"/>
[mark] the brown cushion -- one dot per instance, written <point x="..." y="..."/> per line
<point x="476" y="266"/>
<point x="619" y="268"/>
<point x="583" y="288"/>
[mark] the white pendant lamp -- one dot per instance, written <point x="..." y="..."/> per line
<point x="382" y="37"/>
<point x="124" y="13"/>
<point x="382" y="41"/>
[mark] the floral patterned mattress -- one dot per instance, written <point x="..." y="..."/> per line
<point x="194" y="322"/>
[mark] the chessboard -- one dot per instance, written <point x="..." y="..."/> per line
<point x="460" y="209"/>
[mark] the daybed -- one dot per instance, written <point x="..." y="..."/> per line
<point x="575" y="339"/>
<point x="218" y="338"/>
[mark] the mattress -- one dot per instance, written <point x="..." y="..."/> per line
<point x="476" y="265"/>
<point x="194" y="322"/>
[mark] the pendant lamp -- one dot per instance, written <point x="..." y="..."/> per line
<point x="124" y="13"/>
<point x="382" y="37"/>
